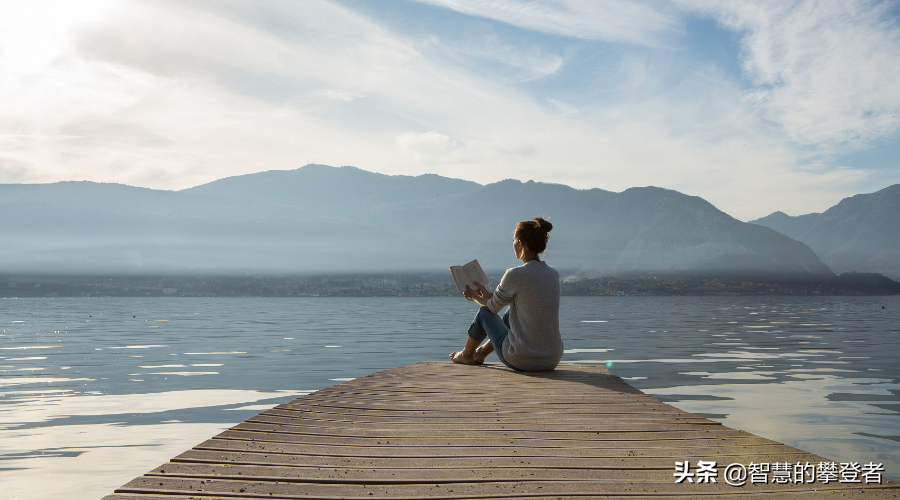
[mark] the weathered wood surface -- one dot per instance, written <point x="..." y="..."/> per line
<point x="440" y="430"/>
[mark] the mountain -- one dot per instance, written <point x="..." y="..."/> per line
<point x="859" y="234"/>
<point x="325" y="219"/>
<point x="86" y="228"/>
<point x="344" y="191"/>
<point x="787" y="225"/>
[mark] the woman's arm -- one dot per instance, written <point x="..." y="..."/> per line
<point x="503" y="294"/>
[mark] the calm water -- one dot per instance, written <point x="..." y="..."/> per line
<point x="94" y="392"/>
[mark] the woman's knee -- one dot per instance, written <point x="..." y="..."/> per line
<point x="484" y="312"/>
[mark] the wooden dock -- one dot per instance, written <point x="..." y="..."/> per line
<point x="437" y="430"/>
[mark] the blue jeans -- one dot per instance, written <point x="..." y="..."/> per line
<point x="488" y="324"/>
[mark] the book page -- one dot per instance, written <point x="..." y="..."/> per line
<point x="468" y="274"/>
<point x="459" y="276"/>
<point x="475" y="273"/>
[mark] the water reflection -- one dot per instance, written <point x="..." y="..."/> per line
<point x="97" y="391"/>
<point x="813" y="414"/>
<point x="798" y="371"/>
<point x="108" y="438"/>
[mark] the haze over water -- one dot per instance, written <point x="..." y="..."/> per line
<point x="94" y="392"/>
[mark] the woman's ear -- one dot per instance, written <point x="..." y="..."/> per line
<point x="523" y="249"/>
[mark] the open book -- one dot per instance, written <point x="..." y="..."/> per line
<point x="468" y="274"/>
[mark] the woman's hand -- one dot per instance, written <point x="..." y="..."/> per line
<point x="480" y="294"/>
<point x="482" y="291"/>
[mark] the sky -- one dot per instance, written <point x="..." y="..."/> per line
<point x="754" y="106"/>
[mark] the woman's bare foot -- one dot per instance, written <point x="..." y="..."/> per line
<point x="468" y="355"/>
<point x="482" y="352"/>
<point x="461" y="358"/>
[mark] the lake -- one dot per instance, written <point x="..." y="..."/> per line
<point x="94" y="392"/>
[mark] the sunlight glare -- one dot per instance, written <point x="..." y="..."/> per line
<point x="34" y="34"/>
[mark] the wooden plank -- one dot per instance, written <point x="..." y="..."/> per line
<point x="791" y="495"/>
<point x="446" y="406"/>
<point x="288" y="488"/>
<point x="431" y="452"/>
<point x="247" y="457"/>
<point x="288" y="434"/>
<point x="334" y="428"/>
<point x="499" y="420"/>
<point x="399" y="475"/>
<point x="440" y="430"/>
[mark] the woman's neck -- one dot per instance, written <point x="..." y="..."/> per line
<point x="528" y="257"/>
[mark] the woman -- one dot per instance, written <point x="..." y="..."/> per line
<point x="527" y="338"/>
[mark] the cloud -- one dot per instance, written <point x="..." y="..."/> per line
<point x="481" y="50"/>
<point x="607" y="20"/>
<point x="824" y="72"/>
<point x="171" y="95"/>
<point x="329" y="50"/>
<point x="337" y="94"/>
<point x="431" y="142"/>
<point x="567" y="109"/>
<point x="167" y="95"/>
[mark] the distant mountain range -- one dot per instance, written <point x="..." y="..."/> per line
<point x="859" y="234"/>
<point x="326" y="219"/>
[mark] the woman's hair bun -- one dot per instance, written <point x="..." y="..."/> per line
<point x="533" y="233"/>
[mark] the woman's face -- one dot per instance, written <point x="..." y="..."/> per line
<point x="517" y="247"/>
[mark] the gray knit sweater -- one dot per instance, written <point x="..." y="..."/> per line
<point x="532" y="292"/>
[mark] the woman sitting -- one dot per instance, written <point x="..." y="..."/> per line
<point x="527" y="338"/>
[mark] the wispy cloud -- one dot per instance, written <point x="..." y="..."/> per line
<point x="824" y="72"/>
<point x="642" y="23"/>
<point x="566" y="109"/>
<point x="480" y="50"/>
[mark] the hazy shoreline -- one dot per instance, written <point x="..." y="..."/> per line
<point x="427" y="285"/>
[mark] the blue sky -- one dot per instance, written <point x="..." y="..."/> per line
<point x="755" y="106"/>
